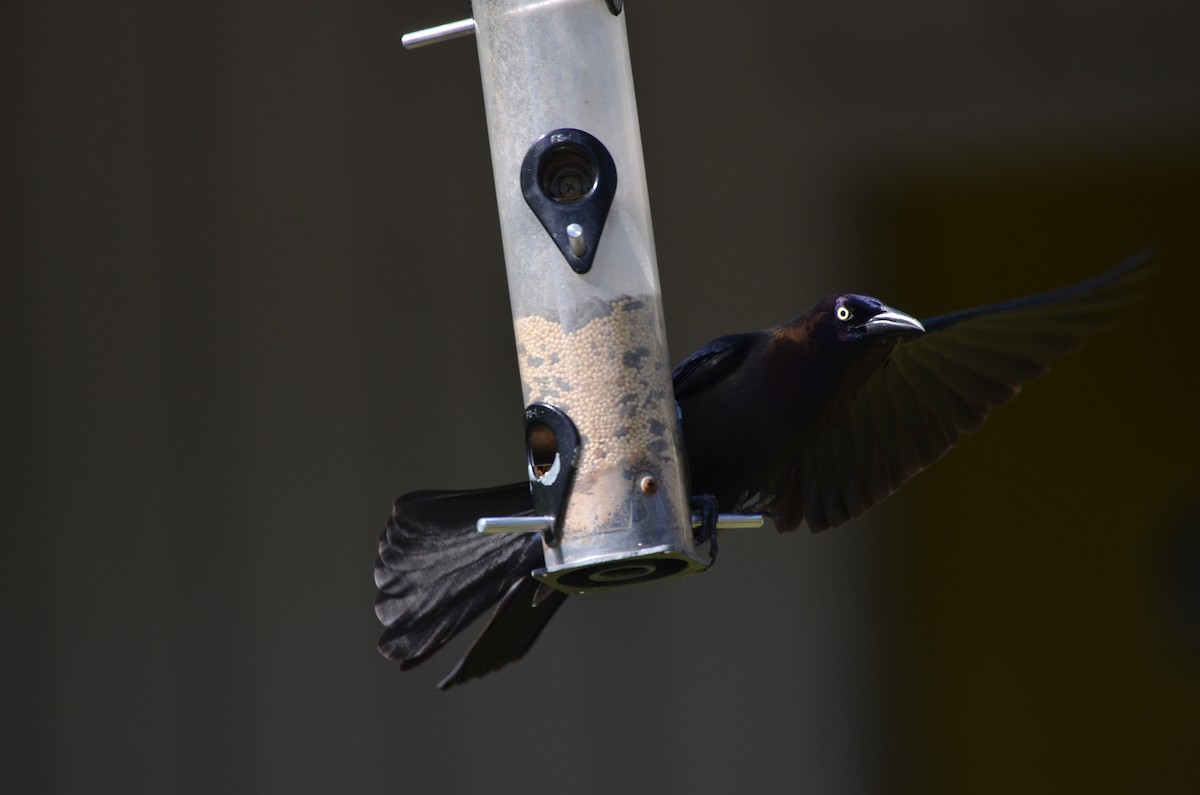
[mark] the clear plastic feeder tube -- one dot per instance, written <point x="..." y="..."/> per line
<point x="590" y="343"/>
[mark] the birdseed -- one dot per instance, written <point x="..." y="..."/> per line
<point x="608" y="373"/>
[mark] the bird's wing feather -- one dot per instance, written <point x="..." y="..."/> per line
<point x="1111" y="284"/>
<point x="711" y="363"/>
<point x="938" y="385"/>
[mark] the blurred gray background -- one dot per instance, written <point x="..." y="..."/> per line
<point x="253" y="290"/>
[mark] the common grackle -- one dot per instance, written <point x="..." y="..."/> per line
<point x="811" y="422"/>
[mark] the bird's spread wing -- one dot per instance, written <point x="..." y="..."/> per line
<point x="435" y="574"/>
<point x="939" y="385"/>
<point x="711" y="363"/>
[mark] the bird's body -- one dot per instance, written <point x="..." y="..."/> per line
<point x="810" y="422"/>
<point x="784" y="384"/>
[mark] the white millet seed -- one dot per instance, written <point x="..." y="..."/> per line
<point x="608" y="375"/>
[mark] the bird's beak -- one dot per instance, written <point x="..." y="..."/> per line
<point x="894" y="323"/>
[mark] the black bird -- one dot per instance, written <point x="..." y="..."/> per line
<point x="811" y="422"/>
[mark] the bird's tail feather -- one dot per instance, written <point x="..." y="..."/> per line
<point x="518" y="620"/>
<point x="436" y="574"/>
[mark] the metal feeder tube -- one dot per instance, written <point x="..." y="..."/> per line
<point x="583" y="282"/>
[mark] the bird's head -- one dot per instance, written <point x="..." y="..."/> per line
<point x="833" y="347"/>
<point x="860" y="318"/>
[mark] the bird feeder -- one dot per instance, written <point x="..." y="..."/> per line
<point x="606" y="464"/>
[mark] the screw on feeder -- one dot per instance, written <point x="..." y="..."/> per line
<point x="567" y="173"/>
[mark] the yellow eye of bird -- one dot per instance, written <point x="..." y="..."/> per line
<point x="843" y="313"/>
